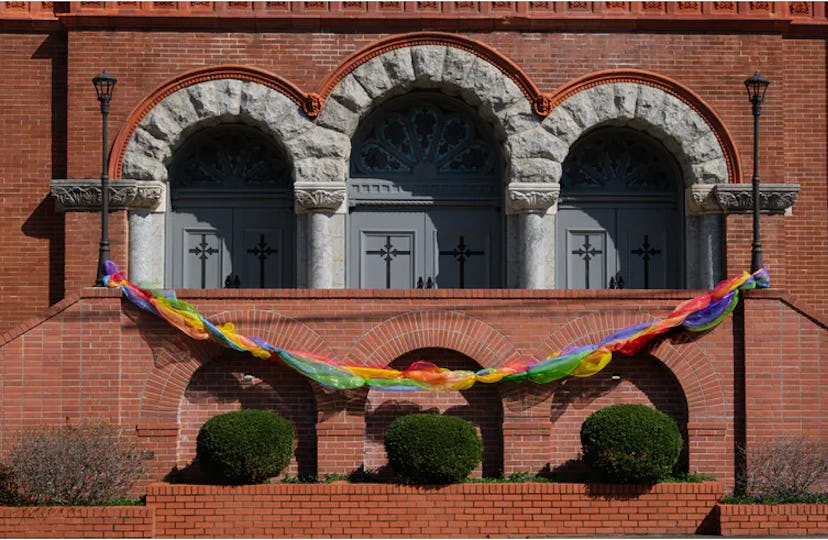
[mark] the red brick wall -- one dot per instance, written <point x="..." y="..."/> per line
<point x="220" y="386"/>
<point x="32" y="151"/>
<point x="51" y="113"/>
<point x="773" y="520"/>
<point x="77" y="522"/>
<point x="774" y="394"/>
<point x="376" y="510"/>
<point x="102" y="358"/>
<point x="473" y="510"/>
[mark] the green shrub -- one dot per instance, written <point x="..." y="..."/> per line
<point x="86" y="464"/>
<point x="630" y="443"/>
<point x="432" y="449"/>
<point x="244" y="447"/>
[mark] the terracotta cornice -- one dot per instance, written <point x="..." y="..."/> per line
<point x="666" y="84"/>
<point x="308" y="102"/>
<point x="539" y="100"/>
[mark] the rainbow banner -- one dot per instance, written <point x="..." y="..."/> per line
<point x="695" y="315"/>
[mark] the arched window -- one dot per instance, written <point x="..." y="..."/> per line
<point x="231" y="223"/>
<point x="425" y="190"/>
<point x="619" y="217"/>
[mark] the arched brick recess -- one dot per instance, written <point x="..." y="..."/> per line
<point x="642" y="379"/>
<point x="481" y="405"/>
<point x="694" y="370"/>
<point x="235" y="380"/>
<point x="428" y="329"/>
<point x="175" y="366"/>
<point x="700" y="380"/>
<point x="653" y="103"/>
<point x="500" y="91"/>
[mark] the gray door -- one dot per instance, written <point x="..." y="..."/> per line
<point x="601" y="248"/>
<point x="201" y="248"/>
<point x="619" y="220"/>
<point x="449" y="248"/>
<point x="231" y="218"/>
<point x="466" y="248"/>
<point x="228" y="247"/>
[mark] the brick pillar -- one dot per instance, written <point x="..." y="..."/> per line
<point x="525" y="431"/>
<point x="340" y="431"/>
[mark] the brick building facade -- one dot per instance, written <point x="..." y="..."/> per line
<point x="535" y="85"/>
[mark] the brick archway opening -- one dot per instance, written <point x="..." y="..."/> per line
<point x="642" y="379"/>
<point x="481" y="405"/>
<point x="235" y="380"/>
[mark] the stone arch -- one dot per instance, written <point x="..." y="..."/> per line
<point x="404" y="333"/>
<point x="660" y="106"/>
<point x="678" y="118"/>
<point x="208" y="96"/>
<point x="502" y="94"/>
<point x="211" y="96"/>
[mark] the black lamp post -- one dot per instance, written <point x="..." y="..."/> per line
<point x="756" y="86"/>
<point x="104" y="85"/>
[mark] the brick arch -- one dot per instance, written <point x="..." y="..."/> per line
<point x="414" y="330"/>
<point x="658" y="105"/>
<point x="693" y="369"/>
<point x="175" y="366"/>
<point x="208" y="96"/>
<point x="502" y="93"/>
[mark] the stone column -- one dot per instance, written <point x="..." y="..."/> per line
<point x="145" y="202"/>
<point x="704" y="238"/>
<point x="531" y="201"/>
<point x="319" y="201"/>
<point x="707" y="207"/>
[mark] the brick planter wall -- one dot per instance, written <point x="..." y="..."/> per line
<point x="382" y="510"/>
<point x="76" y="522"/>
<point x="773" y="520"/>
<point x="471" y="510"/>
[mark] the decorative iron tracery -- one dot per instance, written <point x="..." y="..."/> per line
<point x="618" y="160"/>
<point x="230" y="156"/>
<point x="411" y="134"/>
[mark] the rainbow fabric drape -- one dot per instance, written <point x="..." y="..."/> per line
<point x="695" y="315"/>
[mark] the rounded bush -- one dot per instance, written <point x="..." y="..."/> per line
<point x="432" y="449"/>
<point x="630" y="443"/>
<point x="244" y="447"/>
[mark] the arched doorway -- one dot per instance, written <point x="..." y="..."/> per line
<point x="425" y="190"/>
<point x="231" y="219"/>
<point x="234" y="381"/>
<point x="481" y="405"/>
<point x="620" y="222"/>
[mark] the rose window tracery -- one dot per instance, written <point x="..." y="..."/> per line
<point x="616" y="160"/>
<point x="424" y="133"/>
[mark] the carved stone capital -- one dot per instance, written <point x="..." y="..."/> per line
<point x="319" y="197"/>
<point x="531" y="197"/>
<point x="773" y="198"/>
<point x="701" y="200"/>
<point x="75" y="195"/>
